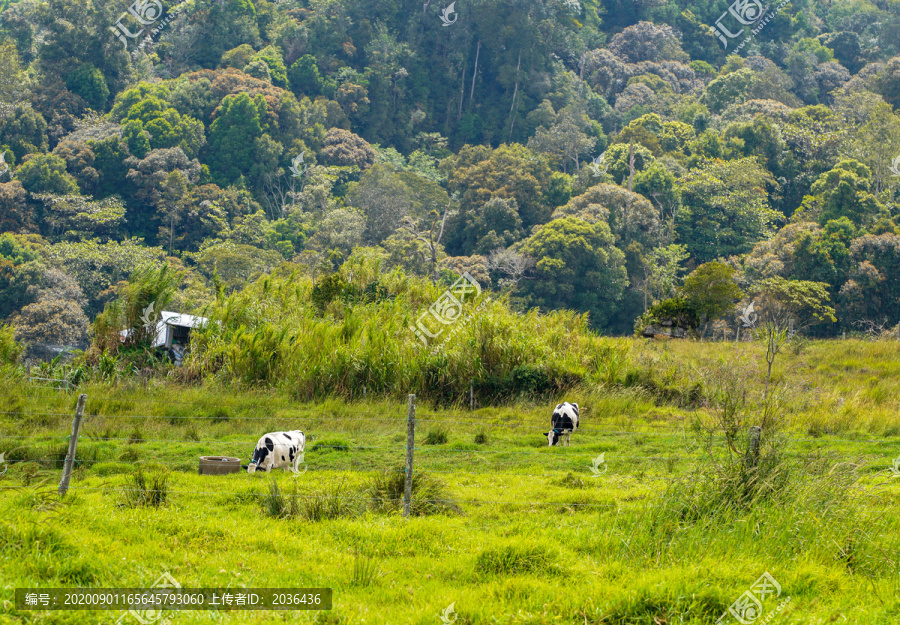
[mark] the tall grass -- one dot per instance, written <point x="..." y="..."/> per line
<point x="146" y="489"/>
<point x="272" y="334"/>
<point x="330" y="502"/>
<point x="429" y="496"/>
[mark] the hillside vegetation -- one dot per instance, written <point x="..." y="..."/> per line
<point x="585" y="156"/>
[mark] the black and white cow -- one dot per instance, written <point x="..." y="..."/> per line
<point x="563" y="422"/>
<point x="278" y="450"/>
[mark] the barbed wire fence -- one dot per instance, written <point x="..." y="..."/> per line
<point x="422" y="458"/>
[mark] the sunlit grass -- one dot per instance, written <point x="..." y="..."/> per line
<point x="532" y="535"/>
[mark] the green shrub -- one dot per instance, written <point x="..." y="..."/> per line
<point x="675" y="312"/>
<point x="10" y="350"/>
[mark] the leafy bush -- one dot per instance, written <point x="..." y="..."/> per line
<point x="10" y="350"/>
<point x="675" y="312"/>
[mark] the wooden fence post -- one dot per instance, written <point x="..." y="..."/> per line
<point x="410" y="444"/>
<point x="472" y="395"/>
<point x="28" y="369"/>
<point x="753" y="448"/>
<point x="73" y="445"/>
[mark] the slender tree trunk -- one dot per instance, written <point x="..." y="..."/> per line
<point x="475" y="71"/>
<point x="512" y="109"/>
<point x="631" y="165"/>
<point x="462" y="90"/>
<point x="171" y="232"/>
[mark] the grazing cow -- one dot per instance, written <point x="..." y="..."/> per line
<point x="278" y="450"/>
<point x="563" y="422"/>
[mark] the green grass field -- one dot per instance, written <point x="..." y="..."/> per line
<point x="504" y="528"/>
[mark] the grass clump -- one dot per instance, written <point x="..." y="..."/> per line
<point x="331" y="503"/>
<point x="429" y="496"/>
<point x="219" y="415"/>
<point x="364" y="573"/>
<point x="515" y="560"/>
<point x="111" y="468"/>
<point x="106" y="434"/>
<point x="481" y="438"/>
<point x="146" y="489"/>
<point x="437" y="436"/>
<point x="136" y="436"/>
<point x="572" y="481"/>
<point x="331" y="444"/>
<point x="129" y="455"/>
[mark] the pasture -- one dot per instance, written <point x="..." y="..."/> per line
<point x="642" y="520"/>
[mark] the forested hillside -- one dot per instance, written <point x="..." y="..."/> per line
<point x="584" y="155"/>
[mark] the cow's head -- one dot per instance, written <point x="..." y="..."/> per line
<point x="552" y="437"/>
<point x="251" y="468"/>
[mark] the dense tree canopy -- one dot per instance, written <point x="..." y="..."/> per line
<point x="598" y="155"/>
